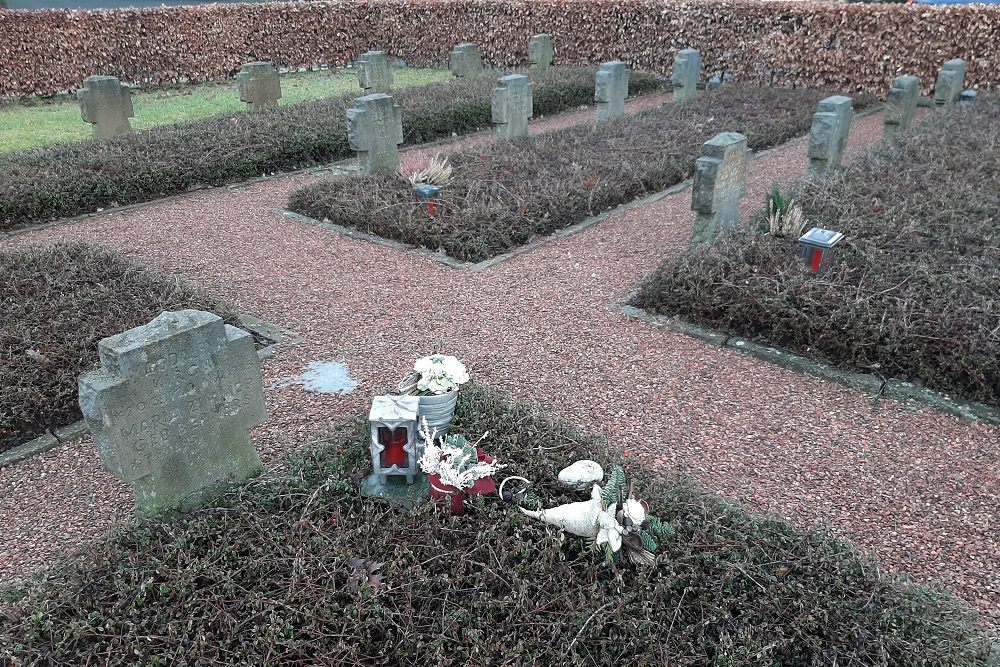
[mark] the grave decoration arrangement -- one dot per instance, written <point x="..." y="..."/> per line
<point x="456" y="468"/>
<point x="435" y="380"/>
<point x="427" y="396"/>
<point x="783" y="215"/>
<point x="614" y="518"/>
<point x="428" y="180"/>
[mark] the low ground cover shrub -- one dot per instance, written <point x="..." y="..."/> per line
<point x="300" y="569"/>
<point x="912" y="292"/>
<point x="56" y="303"/>
<point x="42" y="121"/>
<point x="80" y="177"/>
<point x="504" y="193"/>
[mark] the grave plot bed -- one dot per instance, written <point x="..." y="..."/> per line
<point x="80" y="177"/>
<point x="503" y="194"/>
<point x="912" y="291"/>
<point x="300" y="569"/>
<point x="56" y="303"/>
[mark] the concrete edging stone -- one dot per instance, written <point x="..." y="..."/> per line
<point x="873" y="385"/>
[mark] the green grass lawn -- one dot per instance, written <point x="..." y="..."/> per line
<point x="27" y="125"/>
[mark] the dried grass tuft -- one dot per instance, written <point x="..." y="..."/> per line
<point x="434" y="171"/>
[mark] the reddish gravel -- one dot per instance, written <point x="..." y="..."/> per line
<point x="921" y="489"/>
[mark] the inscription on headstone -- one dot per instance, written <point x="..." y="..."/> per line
<point x="466" y="61"/>
<point x="259" y="85"/>
<point x="375" y="130"/>
<point x="900" y="105"/>
<point x="374" y="72"/>
<point x="610" y="90"/>
<point x="107" y="105"/>
<point x="541" y="51"/>
<point x="512" y="106"/>
<point x="171" y="404"/>
<point x="687" y="74"/>
<point x="720" y="177"/>
<point x="831" y="127"/>
<point x="950" y="80"/>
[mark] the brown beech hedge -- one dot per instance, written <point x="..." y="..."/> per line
<point x="844" y="46"/>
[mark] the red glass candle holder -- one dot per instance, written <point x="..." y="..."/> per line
<point x="394" y="441"/>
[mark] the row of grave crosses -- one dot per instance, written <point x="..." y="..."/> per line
<point x="107" y="104"/>
<point x="720" y="171"/>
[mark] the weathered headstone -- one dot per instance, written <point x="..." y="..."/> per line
<point x="900" y="105"/>
<point x="831" y="127"/>
<point x="107" y="105"/>
<point x="950" y="80"/>
<point x="512" y="106"/>
<point x="717" y="81"/>
<point x="259" y="85"/>
<point x="541" y="51"/>
<point x="720" y="176"/>
<point x="170" y="407"/>
<point x="466" y="61"/>
<point x="375" y="130"/>
<point x="374" y="73"/>
<point x="687" y="74"/>
<point x="610" y="90"/>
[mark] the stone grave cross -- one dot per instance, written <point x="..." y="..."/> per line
<point x="259" y="85"/>
<point x="374" y="73"/>
<point x="950" y="80"/>
<point x="900" y="105"/>
<point x="375" y="130"/>
<point x="720" y="177"/>
<point x="466" y="61"/>
<point x="170" y="407"/>
<point x="512" y="106"/>
<point x="687" y="74"/>
<point x="541" y="51"/>
<point x="107" y="105"/>
<point x="610" y="90"/>
<point x="831" y="128"/>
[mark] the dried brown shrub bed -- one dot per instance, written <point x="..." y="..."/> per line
<point x="56" y="303"/>
<point x="80" y="177"/>
<point x="913" y="292"/>
<point x="264" y="577"/>
<point x="503" y="194"/>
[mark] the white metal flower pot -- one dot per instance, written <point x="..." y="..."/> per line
<point x="439" y="410"/>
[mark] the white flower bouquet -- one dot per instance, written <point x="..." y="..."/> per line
<point x="434" y="375"/>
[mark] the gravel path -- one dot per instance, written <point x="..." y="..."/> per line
<point x="919" y="488"/>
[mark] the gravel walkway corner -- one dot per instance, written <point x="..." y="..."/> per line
<point x="920" y="489"/>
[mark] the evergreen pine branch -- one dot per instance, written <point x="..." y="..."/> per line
<point x="660" y="528"/>
<point x="648" y="542"/>
<point x="611" y="493"/>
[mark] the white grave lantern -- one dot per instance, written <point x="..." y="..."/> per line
<point x="394" y="440"/>
<point x="816" y="246"/>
